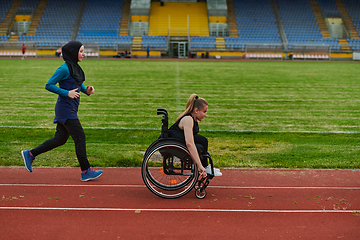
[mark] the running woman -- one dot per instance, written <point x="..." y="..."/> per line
<point x="70" y="78"/>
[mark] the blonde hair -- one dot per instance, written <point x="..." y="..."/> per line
<point x="193" y="102"/>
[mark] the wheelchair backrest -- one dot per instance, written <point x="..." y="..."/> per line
<point x="165" y="123"/>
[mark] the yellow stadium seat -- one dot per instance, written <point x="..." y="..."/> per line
<point x="180" y="19"/>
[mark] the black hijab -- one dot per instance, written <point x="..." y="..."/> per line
<point x="70" y="53"/>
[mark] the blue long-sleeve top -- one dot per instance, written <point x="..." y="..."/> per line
<point x="65" y="107"/>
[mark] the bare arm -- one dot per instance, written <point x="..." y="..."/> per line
<point x="187" y="125"/>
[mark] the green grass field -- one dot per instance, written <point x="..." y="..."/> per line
<point x="261" y="114"/>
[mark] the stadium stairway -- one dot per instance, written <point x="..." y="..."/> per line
<point x="37" y="17"/>
<point x="220" y="44"/>
<point x="13" y="39"/>
<point x="78" y="19"/>
<point x="347" y="20"/>
<point x="4" y="27"/>
<point x="136" y="44"/>
<point x="178" y="12"/>
<point x="233" y="32"/>
<point x="344" y="45"/>
<point x="124" y="25"/>
<point x="319" y="18"/>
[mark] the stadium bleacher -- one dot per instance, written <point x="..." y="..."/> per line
<point x="100" y="23"/>
<point x="256" y="22"/>
<point x="178" y="12"/>
<point x="329" y="8"/>
<point x="54" y="27"/>
<point x="4" y="38"/>
<point x="27" y="6"/>
<point x="92" y="21"/>
<point x="154" y="41"/>
<point x="203" y="42"/>
<point x="4" y="8"/>
<point x="353" y="8"/>
<point x="300" y="25"/>
<point x="354" y="44"/>
<point x="233" y="43"/>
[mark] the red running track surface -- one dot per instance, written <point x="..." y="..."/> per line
<point x="52" y="203"/>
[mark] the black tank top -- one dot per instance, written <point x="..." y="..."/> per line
<point x="176" y="132"/>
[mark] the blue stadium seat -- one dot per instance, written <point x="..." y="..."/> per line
<point x="4" y="8"/>
<point x="255" y="22"/>
<point x="300" y="23"/>
<point x="154" y="41"/>
<point x="353" y="9"/>
<point x="101" y="22"/>
<point x="203" y="42"/>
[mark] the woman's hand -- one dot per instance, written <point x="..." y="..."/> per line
<point x="90" y="90"/>
<point x="202" y="172"/>
<point x="73" y="93"/>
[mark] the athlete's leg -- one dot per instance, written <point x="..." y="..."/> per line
<point x="74" y="128"/>
<point x="60" y="138"/>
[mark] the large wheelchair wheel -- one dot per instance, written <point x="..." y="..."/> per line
<point x="168" y="170"/>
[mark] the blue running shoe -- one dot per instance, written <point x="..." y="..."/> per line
<point x="28" y="160"/>
<point x="91" y="174"/>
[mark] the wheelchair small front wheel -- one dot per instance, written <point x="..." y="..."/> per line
<point x="200" y="193"/>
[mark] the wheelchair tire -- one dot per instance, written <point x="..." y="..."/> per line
<point x="170" y="147"/>
<point x="173" y="184"/>
<point x="168" y="170"/>
<point x="200" y="194"/>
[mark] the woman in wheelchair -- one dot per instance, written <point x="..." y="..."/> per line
<point x="186" y="129"/>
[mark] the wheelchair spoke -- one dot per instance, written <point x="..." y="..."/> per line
<point x="167" y="171"/>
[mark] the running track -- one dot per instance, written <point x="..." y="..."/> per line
<point x="52" y="203"/>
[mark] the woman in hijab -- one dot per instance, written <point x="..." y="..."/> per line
<point x="70" y="77"/>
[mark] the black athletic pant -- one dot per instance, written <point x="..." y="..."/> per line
<point x="73" y="128"/>
<point x="201" y="143"/>
<point x="203" y="148"/>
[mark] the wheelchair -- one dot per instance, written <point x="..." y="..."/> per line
<point x="168" y="170"/>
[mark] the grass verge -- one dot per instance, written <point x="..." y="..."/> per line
<point x="125" y="148"/>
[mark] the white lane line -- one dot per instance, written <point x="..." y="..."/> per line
<point x="179" y="210"/>
<point x="305" y="187"/>
<point x="67" y="185"/>
<point x="143" y="186"/>
<point x="205" y="130"/>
